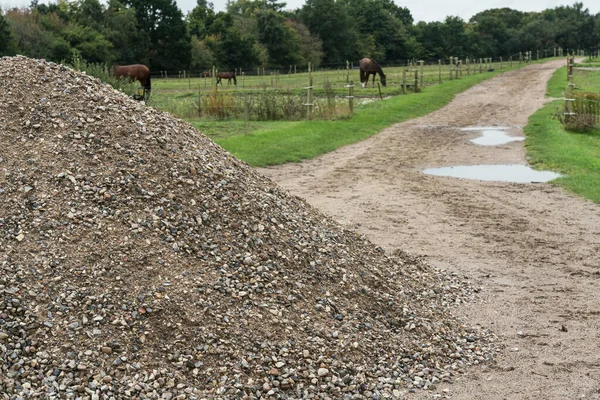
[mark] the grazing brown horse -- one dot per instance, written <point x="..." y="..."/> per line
<point x="370" y="67"/>
<point x="134" y="72"/>
<point x="226" y="75"/>
<point x="206" y="74"/>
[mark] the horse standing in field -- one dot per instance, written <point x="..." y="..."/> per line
<point x="226" y="75"/>
<point x="135" y="72"/>
<point x="369" y="67"/>
<point x="206" y="74"/>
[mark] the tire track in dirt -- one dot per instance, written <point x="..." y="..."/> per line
<point x="533" y="248"/>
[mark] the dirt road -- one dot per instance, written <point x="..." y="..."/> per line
<point x="533" y="248"/>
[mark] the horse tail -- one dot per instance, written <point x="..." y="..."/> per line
<point x="148" y="85"/>
<point x="234" y="80"/>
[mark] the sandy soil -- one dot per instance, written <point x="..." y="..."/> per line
<point x="533" y="248"/>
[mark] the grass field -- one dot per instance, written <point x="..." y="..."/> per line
<point x="181" y="97"/>
<point x="550" y="146"/>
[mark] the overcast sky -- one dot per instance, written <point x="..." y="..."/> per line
<point x="421" y="10"/>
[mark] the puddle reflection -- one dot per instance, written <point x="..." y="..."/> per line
<point x="501" y="173"/>
<point x="492" y="136"/>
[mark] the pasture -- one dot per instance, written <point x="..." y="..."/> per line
<point x="284" y="96"/>
<point x="264" y="142"/>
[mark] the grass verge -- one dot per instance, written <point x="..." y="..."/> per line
<point x="550" y="146"/>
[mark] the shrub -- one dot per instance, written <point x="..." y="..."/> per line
<point x="583" y="113"/>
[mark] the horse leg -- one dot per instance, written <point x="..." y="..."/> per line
<point x="362" y="78"/>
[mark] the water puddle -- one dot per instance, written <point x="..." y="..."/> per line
<point x="500" y="173"/>
<point x="492" y="135"/>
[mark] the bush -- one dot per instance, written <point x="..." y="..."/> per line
<point x="583" y="113"/>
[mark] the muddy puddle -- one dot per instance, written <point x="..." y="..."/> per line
<point x="501" y="173"/>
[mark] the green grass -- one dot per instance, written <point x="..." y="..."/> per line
<point x="550" y="146"/>
<point x="308" y="139"/>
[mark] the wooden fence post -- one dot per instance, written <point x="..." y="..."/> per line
<point x="350" y="87"/>
<point x="404" y="81"/>
<point x="348" y="71"/>
<point x="439" y="72"/>
<point x="416" y="80"/>
<point x="421" y="62"/>
<point x="309" y="97"/>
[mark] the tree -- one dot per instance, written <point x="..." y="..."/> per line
<point x="5" y="36"/>
<point x="31" y="39"/>
<point x="310" y="47"/>
<point x="454" y="37"/>
<point x="382" y="26"/>
<point x="170" y="43"/>
<point x="280" y="40"/>
<point x="88" y="13"/>
<point x="331" y="22"/>
<point x="233" y="51"/>
<point x="202" y="56"/>
<point x="201" y="17"/>
<point x="129" y="42"/>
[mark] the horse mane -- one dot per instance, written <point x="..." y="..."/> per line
<point x="377" y="65"/>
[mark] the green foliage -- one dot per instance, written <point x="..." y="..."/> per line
<point x="202" y="57"/>
<point x="5" y="36"/>
<point x="170" y="43"/>
<point x="331" y="22"/>
<point x="234" y="50"/>
<point x="278" y="37"/>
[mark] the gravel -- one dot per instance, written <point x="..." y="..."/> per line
<point x="138" y="259"/>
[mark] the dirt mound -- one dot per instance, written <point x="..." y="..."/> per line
<point x="138" y="259"/>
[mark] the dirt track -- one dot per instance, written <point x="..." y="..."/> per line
<point x="533" y="248"/>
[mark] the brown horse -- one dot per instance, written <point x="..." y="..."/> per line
<point x="226" y="75"/>
<point x="206" y="74"/>
<point x="368" y="67"/>
<point x="134" y="72"/>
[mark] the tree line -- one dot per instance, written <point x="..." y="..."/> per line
<point x="261" y="33"/>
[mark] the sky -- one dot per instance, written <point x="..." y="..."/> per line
<point x="421" y="10"/>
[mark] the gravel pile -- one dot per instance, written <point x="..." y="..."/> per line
<point x="138" y="259"/>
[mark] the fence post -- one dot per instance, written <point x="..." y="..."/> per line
<point x="199" y="102"/>
<point x="439" y="72"/>
<point x="243" y="79"/>
<point x="416" y="80"/>
<point x="189" y="79"/>
<point x="350" y="87"/>
<point x="310" y="93"/>
<point x="404" y="81"/>
<point x="348" y="71"/>
<point x="421" y="62"/>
